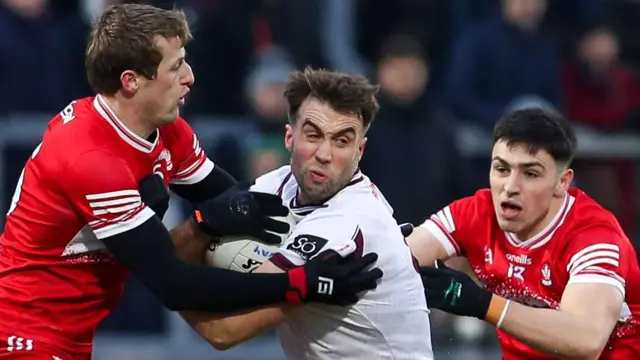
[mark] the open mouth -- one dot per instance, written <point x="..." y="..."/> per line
<point x="510" y="209"/>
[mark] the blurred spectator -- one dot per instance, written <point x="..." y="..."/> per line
<point x="500" y="60"/>
<point x="265" y="88"/>
<point x="354" y="30"/>
<point x="604" y="94"/>
<point x="228" y="35"/>
<point x="600" y="91"/>
<point x="410" y="154"/>
<point x="626" y="14"/>
<point x="33" y="44"/>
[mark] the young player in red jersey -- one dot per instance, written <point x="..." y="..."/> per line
<point x="561" y="279"/>
<point x="77" y="225"/>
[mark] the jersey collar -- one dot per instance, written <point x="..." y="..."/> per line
<point x="125" y="134"/>
<point x="546" y="234"/>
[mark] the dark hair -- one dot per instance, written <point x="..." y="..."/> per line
<point x="536" y="129"/>
<point x="124" y="39"/>
<point x="344" y="93"/>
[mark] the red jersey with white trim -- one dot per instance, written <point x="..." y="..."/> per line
<point x="583" y="244"/>
<point x="57" y="281"/>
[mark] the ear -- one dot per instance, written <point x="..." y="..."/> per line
<point x="288" y="137"/>
<point x="129" y="81"/>
<point x="564" y="183"/>
<point x="361" y="147"/>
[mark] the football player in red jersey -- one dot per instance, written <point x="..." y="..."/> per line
<point x="561" y="279"/>
<point x="77" y="226"/>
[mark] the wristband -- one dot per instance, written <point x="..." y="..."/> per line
<point x="298" y="283"/>
<point x="504" y="314"/>
<point x="497" y="306"/>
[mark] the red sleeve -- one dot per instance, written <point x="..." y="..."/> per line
<point x="192" y="163"/>
<point x="456" y="224"/>
<point x="599" y="255"/>
<point x="103" y="191"/>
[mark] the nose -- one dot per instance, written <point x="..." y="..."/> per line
<point x="323" y="153"/>
<point x="188" y="78"/>
<point x="512" y="185"/>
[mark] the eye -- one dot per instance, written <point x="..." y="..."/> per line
<point x="500" y="169"/>
<point x="531" y="174"/>
<point x="343" y="141"/>
<point x="313" y="136"/>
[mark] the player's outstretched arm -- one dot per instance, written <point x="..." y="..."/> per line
<point x="579" y="329"/>
<point x="226" y="331"/>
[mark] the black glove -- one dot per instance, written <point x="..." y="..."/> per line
<point x="332" y="279"/>
<point x="454" y="291"/>
<point x="239" y="211"/>
<point x="406" y="229"/>
<point x="154" y="194"/>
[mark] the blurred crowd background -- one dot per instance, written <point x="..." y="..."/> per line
<point x="447" y="70"/>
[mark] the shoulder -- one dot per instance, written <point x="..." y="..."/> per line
<point x="74" y="131"/>
<point x="587" y="213"/>
<point x="593" y="235"/>
<point x="274" y="182"/>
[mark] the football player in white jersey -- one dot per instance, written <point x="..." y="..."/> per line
<point x="337" y="207"/>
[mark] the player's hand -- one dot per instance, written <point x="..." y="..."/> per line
<point x="406" y="229"/>
<point x="154" y="194"/>
<point x="333" y="279"/>
<point x="239" y="211"/>
<point x="454" y="291"/>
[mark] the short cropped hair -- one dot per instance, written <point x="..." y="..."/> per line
<point x="344" y="93"/>
<point x="536" y="129"/>
<point x="123" y="38"/>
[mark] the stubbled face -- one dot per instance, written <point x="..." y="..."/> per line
<point x="160" y="98"/>
<point x="326" y="147"/>
<point x="527" y="189"/>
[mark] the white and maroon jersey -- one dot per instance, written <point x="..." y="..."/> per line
<point x="57" y="281"/>
<point x="391" y="322"/>
<point x="583" y="244"/>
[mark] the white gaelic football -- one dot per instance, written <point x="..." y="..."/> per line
<point x="244" y="253"/>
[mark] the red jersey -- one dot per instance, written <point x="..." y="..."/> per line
<point x="57" y="281"/>
<point x="583" y="244"/>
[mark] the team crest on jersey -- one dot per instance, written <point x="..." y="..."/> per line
<point x="546" y="275"/>
<point x="163" y="158"/>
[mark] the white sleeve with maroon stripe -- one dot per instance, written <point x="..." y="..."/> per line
<point x="316" y="233"/>
<point x="104" y="192"/>
<point x="597" y="258"/>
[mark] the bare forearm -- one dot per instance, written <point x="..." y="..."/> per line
<point x="226" y="331"/>
<point x="556" y="333"/>
<point x="189" y="242"/>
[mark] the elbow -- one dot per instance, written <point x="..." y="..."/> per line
<point x="589" y="347"/>
<point x="591" y="350"/>
<point x="222" y="340"/>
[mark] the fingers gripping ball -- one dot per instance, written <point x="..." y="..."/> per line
<point x="245" y="253"/>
